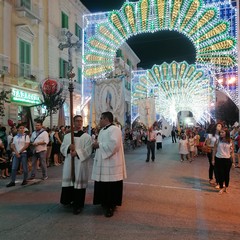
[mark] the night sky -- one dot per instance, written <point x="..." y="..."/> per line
<point x="151" y="48"/>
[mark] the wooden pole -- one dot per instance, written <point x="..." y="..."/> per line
<point x="71" y="75"/>
<point x="71" y="88"/>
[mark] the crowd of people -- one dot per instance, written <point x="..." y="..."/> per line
<point x="74" y="150"/>
<point x="44" y="147"/>
<point x="219" y="143"/>
<point x="17" y="155"/>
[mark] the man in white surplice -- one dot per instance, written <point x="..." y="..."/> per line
<point x="74" y="192"/>
<point x="109" y="167"/>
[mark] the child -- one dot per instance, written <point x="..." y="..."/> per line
<point x="183" y="147"/>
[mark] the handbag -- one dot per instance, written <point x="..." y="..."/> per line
<point x="206" y="149"/>
<point x="30" y="150"/>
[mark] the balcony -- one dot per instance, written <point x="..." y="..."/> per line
<point x="128" y="68"/>
<point x="29" y="10"/>
<point x="26" y="75"/>
<point x="119" y="63"/>
<point x="4" y="65"/>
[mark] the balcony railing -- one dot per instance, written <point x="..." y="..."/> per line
<point x="27" y="71"/>
<point x="119" y="62"/>
<point x="27" y="9"/>
<point x="4" y="64"/>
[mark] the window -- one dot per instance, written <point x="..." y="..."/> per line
<point x="64" y="20"/>
<point x="78" y="31"/>
<point x="119" y="53"/>
<point x="26" y="4"/>
<point x="79" y="76"/>
<point x="129" y="63"/>
<point x="63" y="68"/>
<point x="24" y="58"/>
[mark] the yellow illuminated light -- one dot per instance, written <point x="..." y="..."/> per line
<point x="117" y="22"/>
<point x="175" y="12"/>
<point x="223" y="45"/>
<point x="203" y="21"/>
<point x="130" y="17"/>
<point x="192" y="10"/>
<point x="161" y="9"/>
<point x="104" y="31"/>
<point x="213" y="32"/>
<point x="144" y="14"/>
<point x="95" y="58"/>
<point x="97" y="44"/>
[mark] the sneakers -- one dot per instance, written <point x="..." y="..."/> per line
<point x="44" y="178"/>
<point x="11" y="184"/>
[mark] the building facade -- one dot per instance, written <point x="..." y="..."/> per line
<point x="22" y="56"/>
<point x="31" y="31"/>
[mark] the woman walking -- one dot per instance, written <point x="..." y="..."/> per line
<point x="222" y="151"/>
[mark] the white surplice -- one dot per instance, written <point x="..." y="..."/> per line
<point x="83" y="147"/>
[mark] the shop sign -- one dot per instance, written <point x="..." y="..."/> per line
<point x="24" y="97"/>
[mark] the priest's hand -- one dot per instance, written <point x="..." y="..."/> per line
<point x="95" y="145"/>
<point x="72" y="147"/>
<point x="73" y="153"/>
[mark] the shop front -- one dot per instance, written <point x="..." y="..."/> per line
<point x="27" y="106"/>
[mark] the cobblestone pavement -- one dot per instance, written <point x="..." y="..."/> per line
<point x="165" y="199"/>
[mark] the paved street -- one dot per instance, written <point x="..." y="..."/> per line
<point x="165" y="199"/>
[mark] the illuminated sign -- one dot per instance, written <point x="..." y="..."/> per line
<point x="24" y="97"/>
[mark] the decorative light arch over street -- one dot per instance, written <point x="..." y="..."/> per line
<point x="174" y="87"/>
<point x="201" y="24"/>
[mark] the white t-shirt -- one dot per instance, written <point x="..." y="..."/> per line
<point x="159" y="136"/>
<point x="224" y="150"/>
<point x="212" y="139"/>
<point x="19" y="141"/>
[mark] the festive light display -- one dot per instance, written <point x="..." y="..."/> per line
<point x="176" y="87"/>
<point x="211" y="25"/>
<point x="198" y="22"/>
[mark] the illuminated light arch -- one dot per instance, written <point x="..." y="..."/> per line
<point x="176" y="87"/>
<point x="199" y="23"/>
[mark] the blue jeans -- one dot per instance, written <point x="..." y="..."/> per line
<point x="42" y="157"/>
<point x="15" y="164"/>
